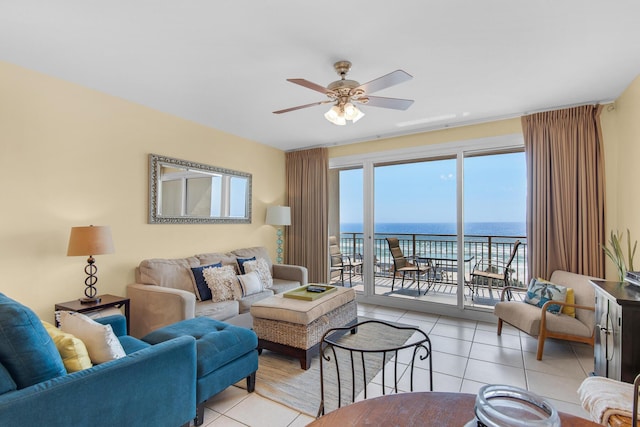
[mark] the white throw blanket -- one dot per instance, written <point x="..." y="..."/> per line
<point x="603" y="397"/>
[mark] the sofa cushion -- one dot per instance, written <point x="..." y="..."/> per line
<point x="223" y="283"/>
<point x="6" y="382"/>
<point x="131" y="344"/>
<point x="261" y="268"/>
<point x="245" y="302"/>
<point x="217" y="257"/>
<point x="281" y="285"/>
<point x="541" y="291"/>
<point x="203" y="292"/>
<point x="257" y="251"/>
<point x="525" y="317"/>
<point x="571" y="299"/>
<point x="250" y="283"/>
<point x="240" y="261"/>
<point x="584" y="292"/>
<point x="26" y="350"/>
<point x="72" y="350"/>
<point x="168" y="273"/>
<point x="564" y="324"/>
<point x="101" y="342"/>
<point x="117" y="322"/>
<point x="217" y="310"/>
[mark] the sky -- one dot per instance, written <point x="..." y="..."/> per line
<point x="494" y="187"/>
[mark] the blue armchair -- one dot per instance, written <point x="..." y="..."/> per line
<point x="152" y="385"/>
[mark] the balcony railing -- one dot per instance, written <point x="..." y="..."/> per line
<point x="443" y="246"/>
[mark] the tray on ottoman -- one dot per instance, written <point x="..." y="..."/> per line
<point x="304" y="293"/>
<point x="295" y="327"/>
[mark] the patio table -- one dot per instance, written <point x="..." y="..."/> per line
<point x="441" y="264"/>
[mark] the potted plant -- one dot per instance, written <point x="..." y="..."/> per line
<point x="616" y="254"/>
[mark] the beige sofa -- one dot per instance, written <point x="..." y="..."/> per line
<point x="165" y="291"/>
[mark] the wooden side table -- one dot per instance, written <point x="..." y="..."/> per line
<point x="106" y="301"/>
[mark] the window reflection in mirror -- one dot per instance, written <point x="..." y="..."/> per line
<point x="189" y="192"/>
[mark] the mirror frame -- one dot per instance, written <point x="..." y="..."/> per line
<point x="157" y="161"/>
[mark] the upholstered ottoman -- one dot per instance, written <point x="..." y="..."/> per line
<point x="295" y="327"/>
<point x="225" y="355"/>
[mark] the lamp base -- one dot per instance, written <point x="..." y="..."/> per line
<point x="93" y="300"/>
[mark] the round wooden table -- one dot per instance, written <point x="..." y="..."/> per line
<point x="417" y="409"/>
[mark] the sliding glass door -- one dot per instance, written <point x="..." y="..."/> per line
<point x="415" y="203"/>
<point x="346" y="224"/>
<point x="494" y="218"/>
<point x="446" y="208"/>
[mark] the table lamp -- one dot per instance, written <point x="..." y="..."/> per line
<point x="279" y="215"/>
<point x="90" y="241"/>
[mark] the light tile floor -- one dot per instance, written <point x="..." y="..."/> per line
<point x="466" y="355"/>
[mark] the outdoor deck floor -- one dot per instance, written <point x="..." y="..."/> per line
<point x="439" y="291"/>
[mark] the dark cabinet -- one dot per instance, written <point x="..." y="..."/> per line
<point x="617" y="346"/>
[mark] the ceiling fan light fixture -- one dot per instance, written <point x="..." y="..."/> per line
<point x="351" y="112"/>
<point x="338" y="115"/>
<point x="335" y="116"/>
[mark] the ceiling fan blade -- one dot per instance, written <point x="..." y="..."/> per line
<point x="310" y="85"/>
<point x="388" y="80"/>
<point x="394" y="103"/>
<point x="299" y="107"/>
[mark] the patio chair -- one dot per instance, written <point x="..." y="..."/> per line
<point x="348" y="362"/>
<point x="404" y="266"/>
<point x="487" y="271"/>
<point x="341" y="262"/>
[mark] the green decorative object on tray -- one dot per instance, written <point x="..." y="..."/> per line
<point x="304" y="294"/>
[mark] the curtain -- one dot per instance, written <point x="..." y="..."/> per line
<point x="565" y="191"/>
<point x="307" y="192"/>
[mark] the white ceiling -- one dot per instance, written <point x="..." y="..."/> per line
<point x="224" y="63"/>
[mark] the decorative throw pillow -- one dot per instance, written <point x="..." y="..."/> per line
<point x="241" y="262"/>
<point x="72" y="350"/>
<point x="250" y="283"/>
<point x="261" y="267"/>
<point x="27" y="351"/>
<point x="102" y="344"/>
<point x="223" y="283"/>
<point x="202" y="290"/>
<point x="571" y="299"/>
<point x="540" y="291"/>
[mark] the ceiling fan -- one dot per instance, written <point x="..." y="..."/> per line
<point x="344" y="94"/>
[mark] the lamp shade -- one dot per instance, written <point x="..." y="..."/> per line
<point x="90" y="241"/>
<point x="278" y="215"/>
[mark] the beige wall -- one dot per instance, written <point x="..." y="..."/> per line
<point x="72" y="156"/>
<point x="484" y="130"/>
<point x="621" y="133"/>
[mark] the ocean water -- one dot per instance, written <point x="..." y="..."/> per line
<point x="511" y="229"/>
<point x="439" y="240"/>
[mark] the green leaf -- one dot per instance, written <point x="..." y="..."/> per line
<point x="616" y="254"/>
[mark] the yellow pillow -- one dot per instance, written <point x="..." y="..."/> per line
<point x="72" y="350"/>
<point x="571" y="299"/>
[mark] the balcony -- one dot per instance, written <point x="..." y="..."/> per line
<point x="441" y="250"/>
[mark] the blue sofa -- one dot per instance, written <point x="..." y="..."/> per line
<point x="152" y="385"/>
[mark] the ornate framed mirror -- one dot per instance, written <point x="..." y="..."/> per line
<point x="185" y="192"/>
